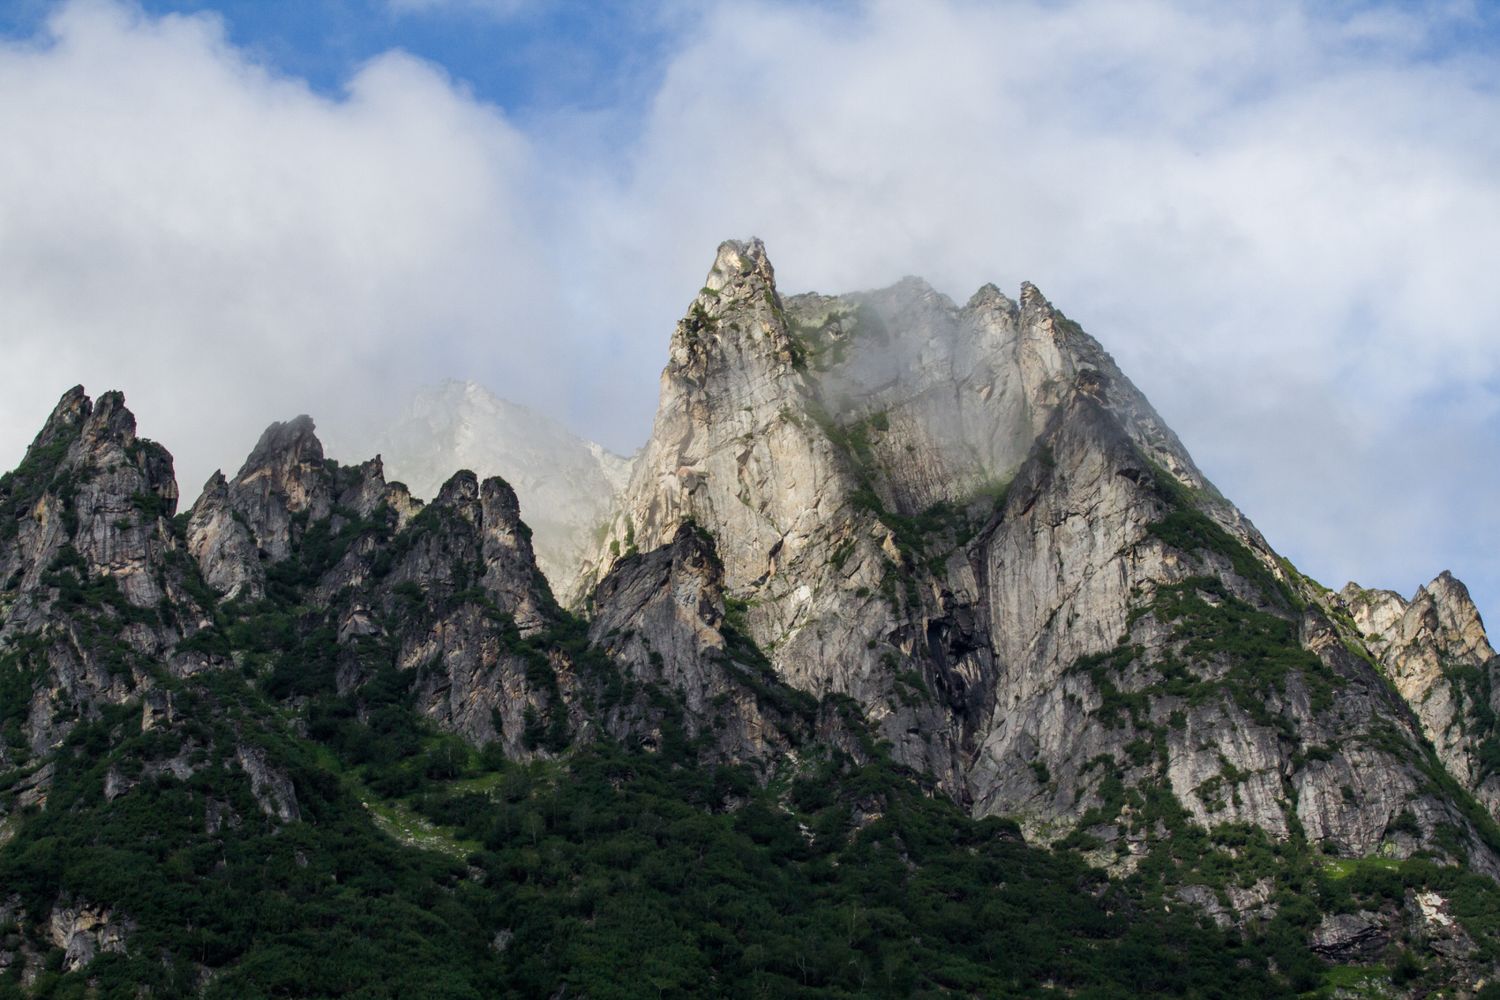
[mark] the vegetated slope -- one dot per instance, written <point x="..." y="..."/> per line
<point x="287" y="796"/>
<point x="836" y="663"/>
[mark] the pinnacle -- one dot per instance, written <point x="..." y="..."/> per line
<point x="741" y="262"/>
<point x="1032" y="297"/>
<point x="990" y="297"/>
<point x="296" y="437"/>
<point x="69" y="414"/>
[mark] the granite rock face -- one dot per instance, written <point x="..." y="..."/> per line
<point x="969" y="521"/>
<point x="1435" y="650"/>
<point x="92" y="589"/>
<point x="661" y="616"/>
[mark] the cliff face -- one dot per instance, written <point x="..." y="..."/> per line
<point x="969" y="520"/>
<point x="881" y="543"/>
<point x="93" y="599"/>
<point x="1435" y="651"/>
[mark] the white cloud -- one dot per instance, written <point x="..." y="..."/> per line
<point x="1281" y="218"/>
<point x="230" y="247"/>
<point x="1282" y="224"/>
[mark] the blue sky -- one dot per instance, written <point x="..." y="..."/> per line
<point x="1281" y="218"/>
<point x="531" y="56"/>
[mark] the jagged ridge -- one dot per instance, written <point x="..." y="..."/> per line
<point x="995" y="554"/>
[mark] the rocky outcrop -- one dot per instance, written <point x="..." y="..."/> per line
<point x="1351" y="937"/>
<point x="1435" y="651"/>
<point x="222" y="544"/>
<point x="968" y="520"/>
<point x="93" y="590"/>
<point x="83" y="931"/>
<point x="272" y="789"/>
<point x="284" y="476"/>
<point x="237" y="528"/>
<point x="661" y="617"/>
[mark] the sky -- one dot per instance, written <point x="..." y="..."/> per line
<point x="1282" y="218"/>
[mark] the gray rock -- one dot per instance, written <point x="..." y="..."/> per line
<point x="271" y="787"/>
<point x="1435" y="651"/>
<point x="1015" y="651"/>
<point x="1350" y="937"/>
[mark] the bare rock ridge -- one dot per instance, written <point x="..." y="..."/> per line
<point x="1435" y="650"/>
<point x="968" y="520"/>
<point x="872" y="525"/>
<point x="87" y="550"/>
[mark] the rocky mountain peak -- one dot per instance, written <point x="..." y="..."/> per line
<point x="460" y="493"/>
<point x="282" y="445"/>
<point x="92" y="494"/>
<point x="1435" y="651"/>
<point x="953" y="515"/>
<point x="1032" y="299"/>
<point x="990" y="300"/>
<point x="110" y="422"/>
<point x="67" y="417"/>
<point x="1457" y="618"/>
<point x="736" y="321"/>
<point x="741" y="267"/>
<point x="284" y="476"/>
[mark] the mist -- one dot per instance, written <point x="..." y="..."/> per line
<point x="1281" y="224"/>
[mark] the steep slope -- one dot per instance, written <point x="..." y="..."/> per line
<point x="969" y="521"/>
<point x="1435" y="650"/>
<point x="1168" y="659"/>
<point x="387" y="765"/>
<point x="94" y="597"/>
<point x="565" y="484"/>
<point x="743" y="446"/>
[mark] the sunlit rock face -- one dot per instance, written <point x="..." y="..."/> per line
<point x="1435" y="651"/>
<point x="962" y="522"/>
<point x="967" y="519"/>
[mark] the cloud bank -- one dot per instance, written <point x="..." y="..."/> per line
<point x="1280" y="218"/>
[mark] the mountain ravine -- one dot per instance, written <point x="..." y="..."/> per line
<point x="914" y="656"/>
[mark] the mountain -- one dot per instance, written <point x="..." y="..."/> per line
<point x="916" y="657"/>
<point x="565" y="484"/>
<point x="970" y="521"/>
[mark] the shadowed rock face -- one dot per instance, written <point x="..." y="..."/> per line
<point x="661" y="616"/>
<point x="90" y="598"/>
<point x="970" y="521"/>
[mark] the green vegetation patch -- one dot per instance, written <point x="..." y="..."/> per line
<point x="1188" y="529"/>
